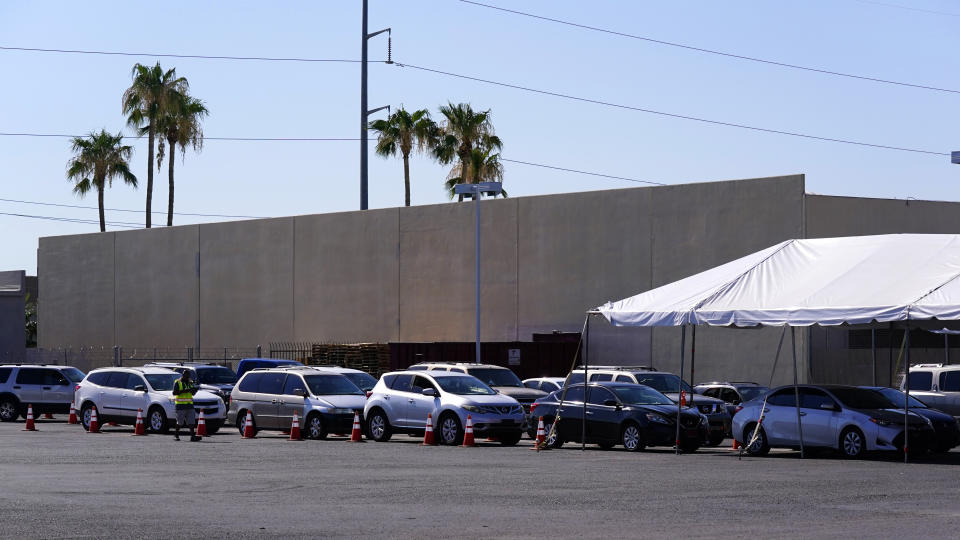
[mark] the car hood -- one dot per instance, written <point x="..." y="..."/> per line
<point x="518" y="392"/>
<point x="203" y="395"/>
<point x="666" y="410"/>
<point x="674" y="396"/>
<point x="498" y="400"/>
<point x="217" y="387"/>
<point x="340" y="402"/>
<point x="894" y="416"/>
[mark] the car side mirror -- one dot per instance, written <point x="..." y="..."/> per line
<point x="428" y="392"/>
<point x="300" y="392"/>
<point x="139" y="388"/>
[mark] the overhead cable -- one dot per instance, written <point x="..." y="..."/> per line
<point x="713" y="51"/>
<point x="61" y="205"/>
<point x="192" y="56"/>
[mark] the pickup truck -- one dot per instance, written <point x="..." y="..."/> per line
<point x="936" y="385"/>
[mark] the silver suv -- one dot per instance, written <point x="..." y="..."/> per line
<point x="324" y="401"/>
<point x="215" y="379"/>
<point x="48" y="388"/>
<point x="118" y="393"/>
<point x="501" y="379"/>
<point x="400" y="402"/>
<point x="936" y="385"/>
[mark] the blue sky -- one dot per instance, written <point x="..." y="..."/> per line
<point x="67" y="93"/>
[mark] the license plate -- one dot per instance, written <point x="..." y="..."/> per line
<point x="692" y="433"/>
<point x="508" y="421"/>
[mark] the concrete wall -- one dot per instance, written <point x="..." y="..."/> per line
<point x="12" y="316"/>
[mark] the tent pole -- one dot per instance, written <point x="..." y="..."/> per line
<point x="906" y="398"/>
<point x="683" y="346"/>
<point x="693" y="356"/>
<point x="946" y="349"/>
<point x="890" y="350"/>
<point x="796" y="389"/>
<point x="586" y="379"/>
<point x="873" y="350"/>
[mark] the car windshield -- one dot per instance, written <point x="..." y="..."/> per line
<point x="496" y="377"/>
<point x="662" y="382"/>
<point x="73" y="374"/>
<point x="363" y="380"/>
<point x="861" y="398"/>
<point x="162" y="382"/>
<point x="464" y="385"/>
<point x="896" y="397"/>
<point x="332" y="385"/>
<point x="640" y="395"/>
<point x="752" y="392"/>
<point x="216" y="375"/>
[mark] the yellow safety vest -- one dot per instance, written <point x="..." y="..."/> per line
<point x="181" y="393"/>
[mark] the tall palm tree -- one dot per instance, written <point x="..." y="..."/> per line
<point x="98" y="159"/>
<point x="464" y="130"/>
<point x="483" y="166"/>
<point x="180" y="124"/>
<point x="402" y="132"/>
<point x="152" y="92"/>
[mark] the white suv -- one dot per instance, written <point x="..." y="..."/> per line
<point x="936" y="385"/>
<point x="48" y="388"/>
<point x="118" y="393"/>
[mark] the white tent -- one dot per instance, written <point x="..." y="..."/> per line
<point x="827" y="281"/>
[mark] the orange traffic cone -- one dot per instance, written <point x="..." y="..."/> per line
<point x="30" y="426"/>
<point x="356" y="435"/>
<point x="468" y="433"/>
<point x="248" y="426"/>
<point x="138" y="428"/>
<point x="736" y="445"/>
<point x="201" y="425"/>
<point x="541" y="441"/>
<point x="295" y="428"/>
<point x="72" y="419"/>
<point x="47" y="416"/>
<point x="683" y="398"/>
<point x="94" y="423"/>
<point x="428" y="439"/>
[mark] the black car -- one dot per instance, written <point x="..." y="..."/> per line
<point x="945" y="427"/>
<point x="633" y="415"/>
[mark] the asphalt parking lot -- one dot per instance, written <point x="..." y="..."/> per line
<point x="61" y="482"/>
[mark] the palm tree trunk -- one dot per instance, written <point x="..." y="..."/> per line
<point x="150" y="137"/>
<point x="406" y="179"/>
<point x="103" y="223"/>
<point x="171" y="159"/>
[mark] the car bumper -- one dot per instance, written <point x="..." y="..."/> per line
<point x="665" y="435"/>
<point x="489" y="423"/>
<point x="338" y="423"/>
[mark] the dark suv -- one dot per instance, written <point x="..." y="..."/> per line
<point x="215" y="379"/>
<point x="733" y="393"/>
<point x="48" y="388"/>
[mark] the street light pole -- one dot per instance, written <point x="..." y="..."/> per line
<point x="364" y="113"/>
<point x="476" y="191"/>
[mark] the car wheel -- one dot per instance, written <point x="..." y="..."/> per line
<point x="852" y="443"/>
<point x="378" y="426"/>
<point x="632" y="438"/>
<point x="241" y="418"/>
<point x="85" y="413"/>
<point x="315" y="429"/>
<point x="510" y="439"/>
<point x="715" y="439"/>
<point x="9" y="409"/>
<point x="451" y="432"/>
<point x="157" y="420"/>
<point x="760" y="447"/>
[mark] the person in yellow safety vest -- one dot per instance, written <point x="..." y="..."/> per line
<point x="183" y="390"/>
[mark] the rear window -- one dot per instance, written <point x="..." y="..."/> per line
<point x="920" y="380"/>
<point x="950" y="381"/>
<point x="72" y="373"/>
<point x="216" y="375"/>
<point x="402" y="383"/>
<point x="5" y="374"/>
<point x="250" y="382"/>
<point x="99" y="378"/>
<point x="388" y="380"/>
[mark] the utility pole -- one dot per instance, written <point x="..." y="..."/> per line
<point x="364" y="113"/>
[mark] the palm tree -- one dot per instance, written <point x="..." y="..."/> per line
<point x="401" y="132"/>
<point x="463" y="131"/>
<point x="151" y="94"/>
<point x="98" y="159"/>
<point x="481" y="167"/>
<point x="180" y="124"/>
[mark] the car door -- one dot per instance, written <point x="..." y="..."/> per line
<point x="266" y="407"/>
<point x="419" y="405"/>
<point x="780" y="418"/>
<point x="290" y="402"/>
<point x="28" y="385"/>
<point x="819" y="415"/>
<point x="396" y="400"/>
<point x="571" y="414"/>
<point x="603" y="421"/>
<point x="132" y="399"/>
<point x="56" y="388"/>
<point x="111" y="397"/>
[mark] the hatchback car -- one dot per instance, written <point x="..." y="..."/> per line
<point x="215" y="379"/>
<point x="48" y="388"/>
<point x="325" y="402"/>
<point x="845" y="418"/>
<point x="631" y="415"/>
<point x="401" y="401"/>
<point x="944" y="425"/>
<point x="118" y="393"/>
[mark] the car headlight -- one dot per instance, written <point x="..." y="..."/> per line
<point x="704" y="419"/>
<point x="472" y="408"/>
<point x="654" y="417"/>
<point x="881" y="422"/>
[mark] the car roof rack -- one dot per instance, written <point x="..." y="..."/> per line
<point x="926" y="365"/>
<point x="621" y="368"/>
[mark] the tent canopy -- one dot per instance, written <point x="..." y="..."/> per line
<point x="828" y="281"/>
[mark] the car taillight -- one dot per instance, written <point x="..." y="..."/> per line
<point x="76" y="388"/>
<point x="533" y="406"/>
<point x="738" y="409"/>
<point x="369" y="393"/>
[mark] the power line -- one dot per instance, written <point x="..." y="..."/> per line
<point x="712" y="51"/>
<point x="668" y="114"/>
<point x="583" y="172"/>
<point x="73" y="220"/>
<point x="206" y="138"/>
<point x="60" y="205"/>
<point x="193" y="56"/>
<point x="898" y="6"/>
